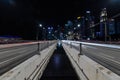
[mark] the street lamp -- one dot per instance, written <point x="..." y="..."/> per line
<point x="37" y="36"/>
<point x="44" y="33"/>
<point x="104" y="19"/>
<point x="40" y="25"/>
<point x="78" y="25"/>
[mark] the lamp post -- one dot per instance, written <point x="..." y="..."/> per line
<point x="78" y="25"/>
<point x="44" y="33"/>
<point x="104" y="20"/>
<point x="37" y="36"/>
<point x="105" y="31"/>
<point x="79" y="31"/>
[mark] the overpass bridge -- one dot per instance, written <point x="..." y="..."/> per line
<point x="59" y="60"/>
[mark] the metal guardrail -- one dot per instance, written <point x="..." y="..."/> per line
<point x="95" y="44"/>
<point x="17" y="59"/>
<point x="80" y="68"/>
<point x="90" y="44"/>
<point x="102" y="58"/>
<point x="44" y="45"/>
<point x="80" y="49"/>
<point x="41" y="46"/>
<point x="40" y="66"/>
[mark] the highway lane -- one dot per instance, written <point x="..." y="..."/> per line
<point x="106" y="56"/>
<point x="10" y="57"/>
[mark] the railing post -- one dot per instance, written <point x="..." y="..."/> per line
<point x="80" y="49"/>
<point x="67" y="43"/>
<point x="39" y="46"/>
<point x="70" y="44"/>
<point x="48" y="44"/>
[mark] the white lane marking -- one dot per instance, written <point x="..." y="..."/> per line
<point x="100" y="53"/>
<point x="107" y="55"/>
<point x="109" y="59"/>
<point x="103" y="45"/>
<point x="94" y="44"/>
<point x="91" y="47"/>
<point x="17" y="44"/>
<point x="84" y="47"/>
<point x="3" y="56"/>
<point x="13" y="58"/>
<point x="15" y="50"/>
<point x="7" y="60"/>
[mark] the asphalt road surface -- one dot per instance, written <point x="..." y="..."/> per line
<point x="108" y="57"/>
<point x="10" y="57"/>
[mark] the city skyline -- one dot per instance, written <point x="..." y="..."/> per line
<point x="21" y="17"/>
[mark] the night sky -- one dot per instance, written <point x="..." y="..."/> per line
<point x="21" y="17"/>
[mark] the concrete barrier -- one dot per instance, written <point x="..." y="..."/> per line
<point x="32" y="68"/>
<point x="86" y="68"/>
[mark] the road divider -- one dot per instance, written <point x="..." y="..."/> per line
<point x="32" y="68"/>
<point x="86" y="68"/>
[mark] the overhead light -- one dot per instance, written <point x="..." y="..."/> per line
<point x="78" y="25"/>
<point x="78" y="17"/>
<point x="40" y="25"/>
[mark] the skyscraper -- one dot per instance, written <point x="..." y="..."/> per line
<point x="89" y="22"/>
<point x="118" y="27"/>
<point x="103" y="23"/>
<point x="82" y="28"/>
<point x="111" y="28"/>
<point x="50" y="31"/>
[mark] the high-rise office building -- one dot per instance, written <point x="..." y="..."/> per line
<point x="89" y="23"/>
<point x="118" y="27"/>
<point x="111" y="27"/>
<point x="81" y="27"/>
<point x="103" y="23"/>
<point x="50" y="31"/>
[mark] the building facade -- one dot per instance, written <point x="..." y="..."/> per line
<point x="103" y="23"/>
